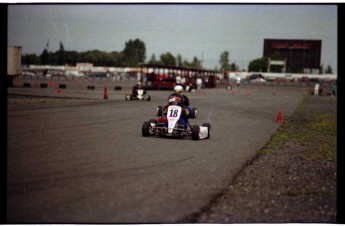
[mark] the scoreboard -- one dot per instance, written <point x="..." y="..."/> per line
<point x="299" y="54"/>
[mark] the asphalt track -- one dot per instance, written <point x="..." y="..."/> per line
<point x="86" y="161"/>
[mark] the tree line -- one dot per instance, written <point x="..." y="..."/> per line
<point x="134" y="53"/>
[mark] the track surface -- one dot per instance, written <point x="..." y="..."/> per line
<point x="87" y="162"/>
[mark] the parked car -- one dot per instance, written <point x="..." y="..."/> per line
<point x="258" y="80"/>
<point x="304" y="79"/>
<point x="255" y="76"/>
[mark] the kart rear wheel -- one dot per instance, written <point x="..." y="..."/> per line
<point x="208" y="125"/>
<point x="195" y="132"/>
<point x="153" y="121"/>
<point x="148" y="97"/>
<point x="146" y="129"/>
<point x="128" y="97"/>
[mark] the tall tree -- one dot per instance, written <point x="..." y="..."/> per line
<point x="196" y="63"/>
<point x="321" y="69"/>
<point x="234" y="67"/>
<point x="329" y="70"/>
<point x="258" y="65"/>
<point x="179" y="60"/>
<point x="73" y="57"/>
<point x="45" y="59"/>
<point x="117" y="58"/>
<point x="31" y="59"/>
<point x="224" y="61"/>
<point x="167" y="59"/>
<point x="153" y="59"/>
<point x="61" y="55"/>
<point x="186" y="64"/>
<point x="134" y="53"/>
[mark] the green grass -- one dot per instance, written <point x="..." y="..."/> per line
<point x="323" y="131"/>
<point x="300" y="107"/>
<point x="279" y="140"/>
<point x="317" y="135"/>
<point x="324" y="123"/>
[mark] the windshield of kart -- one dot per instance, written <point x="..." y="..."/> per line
<point x="175" y="99"/>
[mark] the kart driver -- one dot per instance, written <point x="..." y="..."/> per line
<point x="179" y="89"/>
<point x="135" y="89"/>
<point x="179" y="99"/>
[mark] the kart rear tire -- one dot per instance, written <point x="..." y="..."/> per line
<point x="128" y="97"/>
<point x="148" y="97"/>
<point x="146" y="129"/>
<point x="208" y="125"/>
<point x="153" y="121"/>
<point x="195" y="132"/>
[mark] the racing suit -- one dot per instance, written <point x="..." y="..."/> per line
<point x="190" y="113"/>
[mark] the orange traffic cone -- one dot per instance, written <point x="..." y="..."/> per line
<point x="279" y="117"/>
<point x="105" y="95"/>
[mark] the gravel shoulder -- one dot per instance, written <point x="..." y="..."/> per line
<point x="293" y="179"/>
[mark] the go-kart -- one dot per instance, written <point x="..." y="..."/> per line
<point x="170" y="124"/>
<point x="141" y="95"/>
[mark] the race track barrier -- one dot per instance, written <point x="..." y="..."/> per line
<point x="26" y="85"/>
<point x="44" y="85"/>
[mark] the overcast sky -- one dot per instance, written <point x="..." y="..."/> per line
<point x="201" y="30"/>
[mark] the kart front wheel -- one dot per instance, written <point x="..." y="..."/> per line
<point x="195" y="132"/>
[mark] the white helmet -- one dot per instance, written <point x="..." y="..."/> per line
<point x="178" y="89"/>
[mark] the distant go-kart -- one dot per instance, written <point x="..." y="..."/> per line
<point x="169" y="124"/>
<point x="141" y="95"/>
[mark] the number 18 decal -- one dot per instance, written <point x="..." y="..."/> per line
<point x="173" y="113"/>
